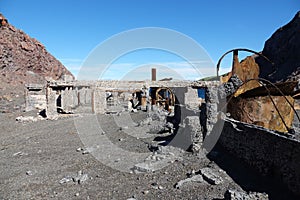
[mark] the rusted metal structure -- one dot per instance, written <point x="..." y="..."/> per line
<point x="258" y="101"/>
<point x="164" y="98"/>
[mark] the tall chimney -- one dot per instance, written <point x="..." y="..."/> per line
<point x="153" y="73"/>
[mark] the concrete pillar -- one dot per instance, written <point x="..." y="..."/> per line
<point x="98" y="101"/>
<point x="51" y="109"/>
<point x="191" y="99"/>
<point x="212" y="101"/>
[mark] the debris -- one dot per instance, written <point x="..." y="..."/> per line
<point x="26" y="119"/>
<point x="155" y="186"/>
<point x="210" y="176"/>
<point x="159" y="159"/>
<point x="85" y="151"/>
<point x="29" y="173"/>
<point x="20" y="153"/>
<point x="65" y="179"/>
<point x="80" y="178"/>
<point x="195" y="147"/>
<point x="197" y="178"/>
<point x="192" y="173"/>
<point x="83" y="178"/>
<point x="236" y="195"/>
<point x="145" y="192"/>
<point x="77" y="194"/>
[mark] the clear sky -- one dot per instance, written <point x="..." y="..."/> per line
<point x="71" y="29"/>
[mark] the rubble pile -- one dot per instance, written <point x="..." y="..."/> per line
<point x="236" y="195"/>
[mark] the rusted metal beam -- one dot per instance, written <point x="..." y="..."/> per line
<point x="240" y="49"/>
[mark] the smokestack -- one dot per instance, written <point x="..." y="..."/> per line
<point x="153" y="73"/>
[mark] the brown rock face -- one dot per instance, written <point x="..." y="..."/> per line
<point x="23" y="59"/>
<point x="283" y="49"/>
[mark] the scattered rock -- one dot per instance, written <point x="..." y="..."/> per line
<point x="163" y="156"/>
<point x="195" y="147"/>
<point x="85" y="151"/>
<point x="197" y="178"/>
<point x="145" y="192"/>
<point x="236" y="195"/>
<point x="26" y="119"/>
<point x="65" y="180"/>
<point x="80" y="178"/>
<point x="192" y="173"/>
<point x="20" y="153"/>
<point x="83" y="178"/>
<point x="154" y="186"/>
<point x="210" y="176"/>
<point x="29" y="173"/>
<point x="79" y="149"/>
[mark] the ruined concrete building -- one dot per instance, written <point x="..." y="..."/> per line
<point x="257" y="115"/>
<point x="112" y="96"/>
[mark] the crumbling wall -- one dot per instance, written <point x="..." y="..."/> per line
<point x="37" y="101"/>
<point x="268" y="152"/>
<point x="75" y="96"/>
<point x="99" y="101"/>
<point x="51" y="108"/>
<point x="69" y="99"/>
<point x="85" y="96"/>
<point x="191" y="98"/>
<point x="35" y="97"/>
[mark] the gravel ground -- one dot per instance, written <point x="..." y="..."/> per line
<point x="36" y="156"/>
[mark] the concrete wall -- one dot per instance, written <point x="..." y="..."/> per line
<point x="51" y="109"/>
<point x="69" y="99"/>
<point x="99" y="101"/>
<point x="35" y="97"/>
<point x="35" y="101"/>
<point x="270" y="153"/>
<point x="191" y="99"/>
<point x="75" y="94"/>
<point x="85" y="96"/>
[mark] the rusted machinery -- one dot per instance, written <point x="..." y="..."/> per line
<point x="258" y="101"/>
<point x="164" y="98"/>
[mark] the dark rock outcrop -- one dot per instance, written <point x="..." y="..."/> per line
<point x="24" y="59"/>
<point x="283" y="49"/>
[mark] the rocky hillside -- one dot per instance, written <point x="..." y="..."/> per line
<point x="24" y="59"/>
<point x="283" y="49"/>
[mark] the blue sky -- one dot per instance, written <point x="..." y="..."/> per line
<point x="70" y="30"/>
